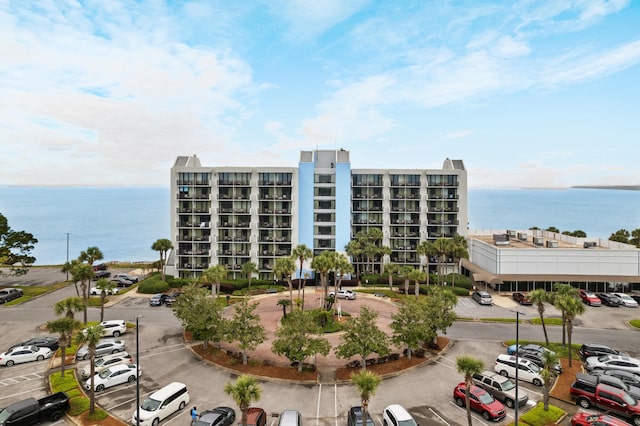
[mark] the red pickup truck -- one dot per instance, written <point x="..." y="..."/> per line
<point x="605" y="397"/>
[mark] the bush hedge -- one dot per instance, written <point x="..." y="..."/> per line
<point x="153" y="285"/>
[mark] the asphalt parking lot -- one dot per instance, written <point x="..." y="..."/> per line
<point x="426" y="391"/>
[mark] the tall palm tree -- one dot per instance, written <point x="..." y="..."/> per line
<point x="162" y="246"/>
<point x="91" y="336"/>
<point x="426" y="249"/>
<point x="248" y="270"/>
<point x="64" y="326"/>
<point x="301" y="253"/>
<point x="91" y="255"/>
<point x="322" y="265"/>
<point x="69" y="306"/>
<point x="539" y="297"/>
<point x="442" y="247"/>
<point x="572" y="307"/>
<point x="391" y="268"/>
<point x="284" y="267"/>
<point x="342" y="267"/>
<point x="366" y="383"/>
<point x="105" y="286"/>
<point x="468" y="366"/>
<point x="561" y="292"/>
<point x="416" y="275"/>
<point x="458" y="252"/>
<point x="214" y="276"/>
<point x="548" y="375"/>
<point x="244" y="391"/>
<point x="406" y="275"/>
<point x="83" y="272"/>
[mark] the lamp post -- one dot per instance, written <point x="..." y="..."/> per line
<point x="516" y="405"/>
<point x="67" y="265"/>
<point x="137" y="371"/>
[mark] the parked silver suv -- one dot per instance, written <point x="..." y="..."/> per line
<point x="502" y="388"/>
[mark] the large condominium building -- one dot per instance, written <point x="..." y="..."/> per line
<point x="233" y="215"/>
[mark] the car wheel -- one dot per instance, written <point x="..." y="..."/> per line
<point x="486" y="415"/>
<point x="504" y="373"/>
<point x="40" y="358"/>
<point x="9" y="363"/>
<point x="115" y="351"/>
<point x="509" y="403"/>
<point x="537" y="382"/>
<point x="116" y="334"/>
<point x="636" y="420"/>
<point x="55" y="416"/>
<point x="155" y="422"/>
<point x="99" y="388"/>
<point x="459" y="402"/>
<point x="131" y="379"/>
<point x="584" y="403"/>
<point x="182" y="404"/>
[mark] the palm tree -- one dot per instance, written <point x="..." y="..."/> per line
<point x="342" y="267"/>
<point x="391" y="268"/>
<point x="539" y="297"/>
<point x="548" y="375"/>
<point x="284" y="303"/>
<point x="563" y="291"/>
<point x="354" y="250"/>
<point x="571" y="307"/>
<point x="406" y="274"/>
<point x="69" y="306"/>
<point x="83" y="272"/>
<point x="426" y="249"/>
<point x="322" y="265"/>
<point x="244" y="391"/>
<point x="458" y="252"/>
<point x="285" y="266"/>
<point x="64" y="326"/>
<point x="366" y="383"/>
<point x="301" y="253"/>
<point x="91" y="336"/>
<point x="416" y="275"/>
<point x="214" y="275"/>
<point x="248" y="269"/>
<point x="442" y="247"/>
<point x="91" y="255"/>
<point x="162" y="246"/>
<point x="468" y="366"/>
<point x="105" y="286"/>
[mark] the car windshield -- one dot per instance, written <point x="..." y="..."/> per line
<point x="629" y="400"/>
<point x="507" y="385"/>
<point x="485" y="398"/>
<point x="409" y="422"/>
<point x="625" y="297"/>
<point x="104" y="374"/>
<point x="150" y="404"/>
<point x="603" y="358"/>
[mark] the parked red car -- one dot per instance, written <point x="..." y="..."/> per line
<point x="587" y="419"/>
<point x="522" y="298"/>
<point x="480" y="401"/>
<point x="589" y="298"/>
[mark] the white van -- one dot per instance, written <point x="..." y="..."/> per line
<point x="162" y="403"/>
<point x="527" y="369"/>
<point x="397" y="415"/>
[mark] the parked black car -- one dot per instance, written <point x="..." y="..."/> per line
<point x="171" y="297"/>
<point x="597" y="349"/>
<point x="354" y="417"/>
<point x="101" y="274"/>
<point x="220" y="416"/>
<point x="41" y="342"/>
<point x="610" y="300"/>
<point x="157" y="299"/>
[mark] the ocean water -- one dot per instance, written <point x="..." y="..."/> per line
<point x="125" y="221"/>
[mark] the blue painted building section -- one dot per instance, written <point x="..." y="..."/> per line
<point x="343" y="205"/>
<point x="305" y="204"/>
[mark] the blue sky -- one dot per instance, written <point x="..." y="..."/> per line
<point x="527" y="93"/>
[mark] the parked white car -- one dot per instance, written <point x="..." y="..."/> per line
<point x="112" y="328"/>
<point x="112" y="376"/>
<point x="105" y="362"/>
<point x="627" y="300"/>
<point x="20" y="354"/>
<point x="612" y="362"/>
<point x="95" y="291"/>
<point x="343" y="294"/>
<point x="104" y="346"/>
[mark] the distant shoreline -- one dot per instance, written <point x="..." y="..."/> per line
<point x="618" y="187"/>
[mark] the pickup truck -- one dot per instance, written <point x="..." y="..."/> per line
<point x="32" y="411"/>
<point x="605" y="397"/>
<point x="8" y="294"/>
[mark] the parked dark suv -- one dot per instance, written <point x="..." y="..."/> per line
<point x="596" y="349"/>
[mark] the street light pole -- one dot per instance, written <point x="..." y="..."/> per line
<point x="67" y="265"/>
<point x="517" y="363"/>
<point x="137" y="371"/>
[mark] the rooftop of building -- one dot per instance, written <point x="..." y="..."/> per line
<point x="538" y="238"/>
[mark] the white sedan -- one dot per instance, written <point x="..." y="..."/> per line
<point x="344" y="294"/>
<point x="627" y="300"/>
<point x="112" y="376"/>
<point x="95" y="291"/>
<point x="21" y="354"/>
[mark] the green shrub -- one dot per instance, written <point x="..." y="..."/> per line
<point x="74" y="392"/>
<point x="369" y="280"/>
<point x="98" y="414"/>
<point x="63" y="384"/>
<point x="538" y="417"/>
<point x="79" y="405"/>
<point x="547" y="321"/>
<point x="635" y="323"/>
<point x="152" y="286"/>
<point x="459" y="291"/>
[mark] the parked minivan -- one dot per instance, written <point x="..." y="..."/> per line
<point x="527" y="369"/>
<point x="162" y="403"/>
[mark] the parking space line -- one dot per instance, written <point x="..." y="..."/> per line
<point x="335" y="402"/>
<point x="438" y="416"/>
<point x="318" y="405"/>
<point x="480" y="419"/>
